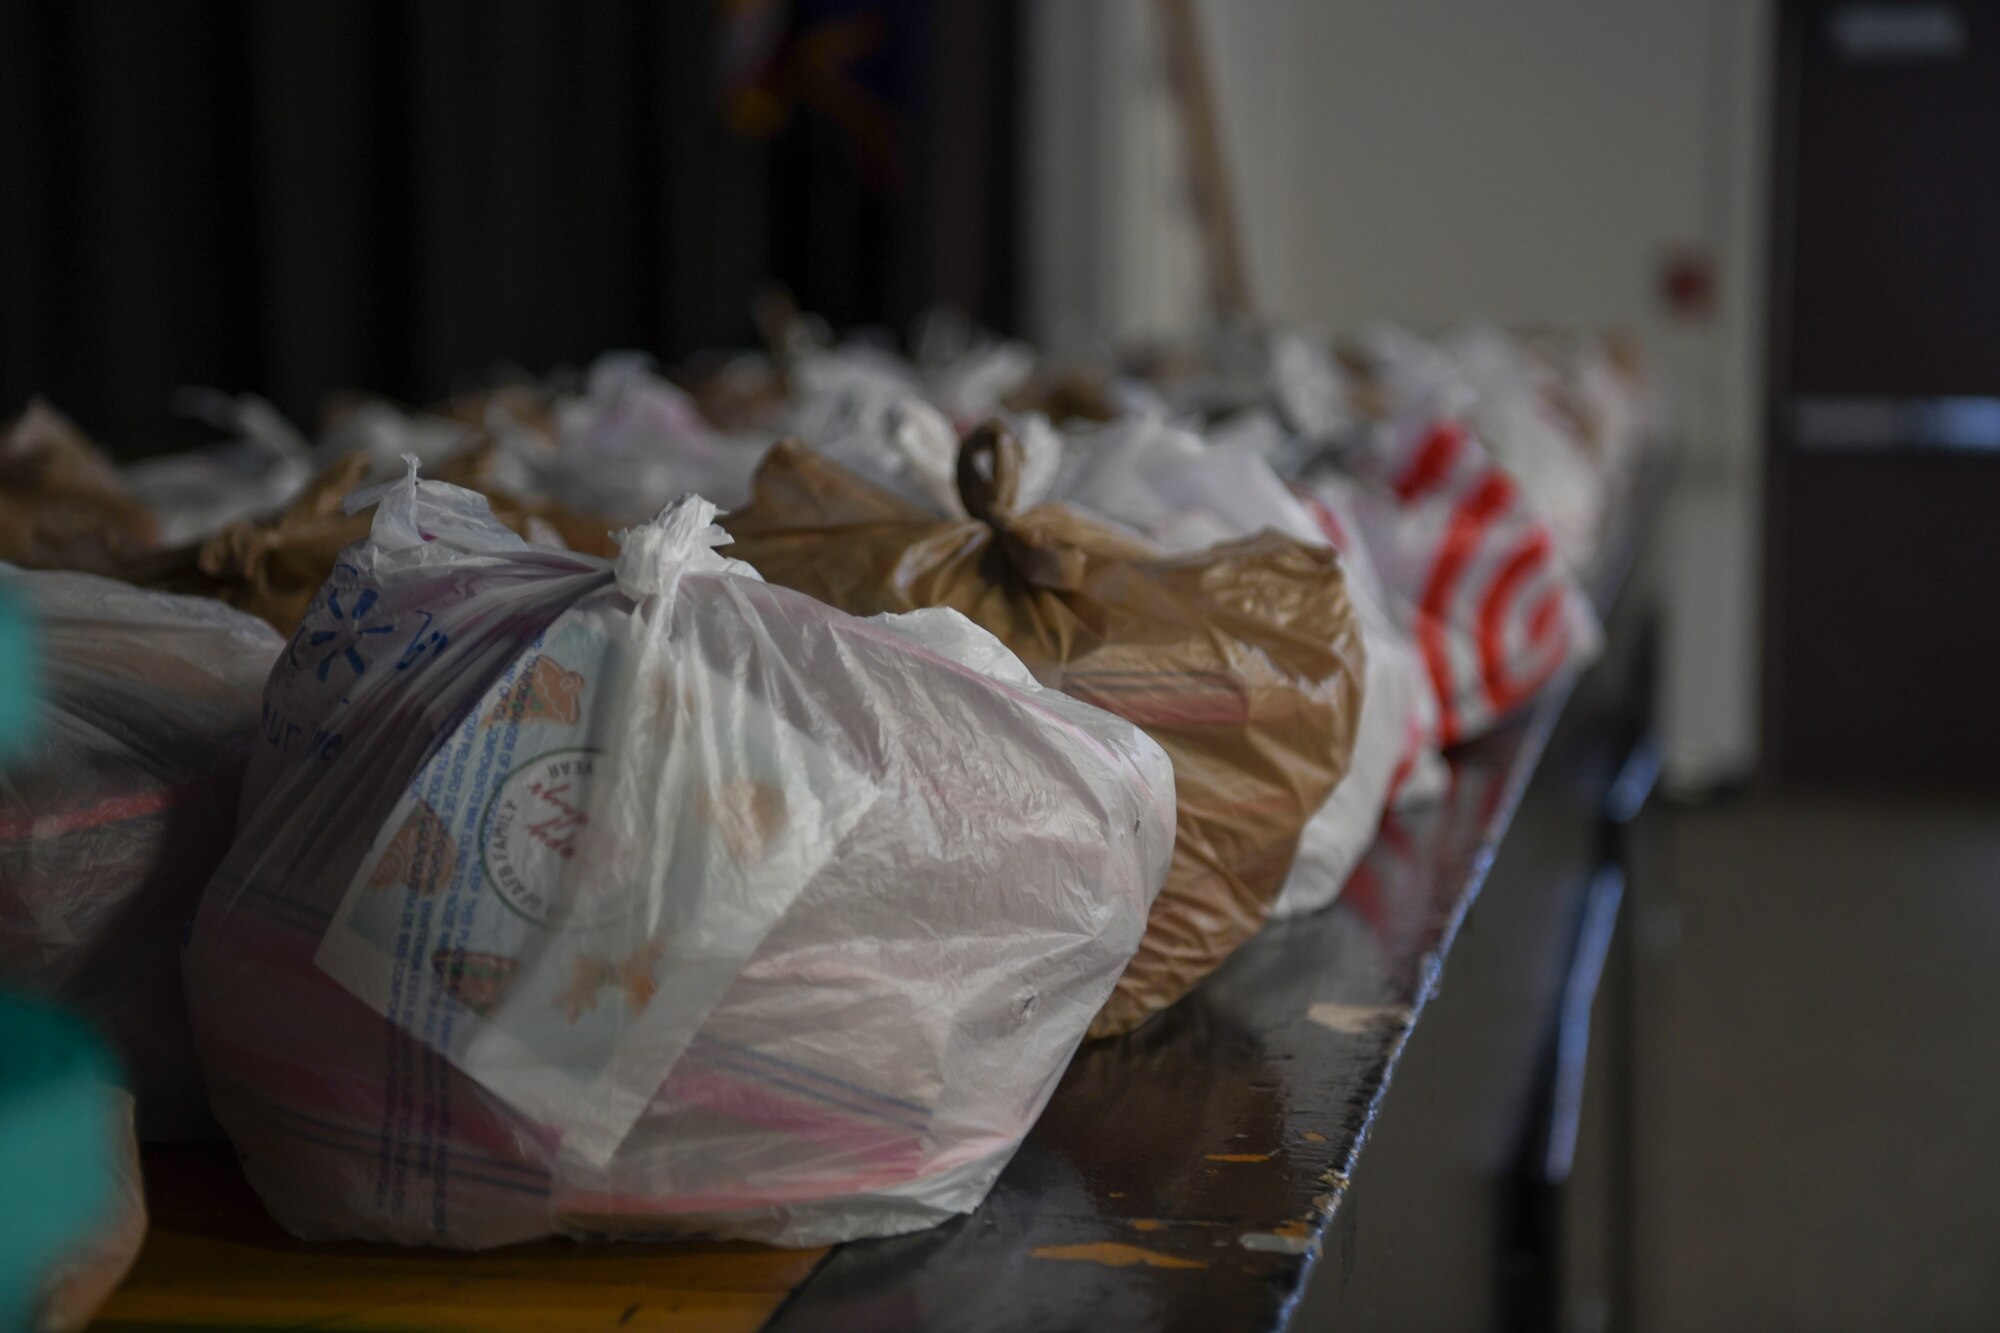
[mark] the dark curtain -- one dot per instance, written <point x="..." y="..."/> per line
<point x="295" y="198"/>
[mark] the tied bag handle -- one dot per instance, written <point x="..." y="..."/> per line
<point x="989" y="484"/>
<point x="989" y="492"/>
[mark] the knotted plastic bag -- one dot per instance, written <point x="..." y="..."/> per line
<point x="120" y="806"/>
<point x="644" y="897"/>
<point x="1243" y="661"/>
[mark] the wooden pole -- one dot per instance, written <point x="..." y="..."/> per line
<point x="1207" y="164"/>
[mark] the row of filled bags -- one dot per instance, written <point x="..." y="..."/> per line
<point x="759" y="878"/>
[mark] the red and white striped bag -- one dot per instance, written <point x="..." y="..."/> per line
<point x="1471" y="569"/>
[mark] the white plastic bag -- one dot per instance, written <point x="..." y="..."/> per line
<point x="858" y="413"/>
<point x="1481" y="375"/>
<point x="386" y="434"/>
<point x="969" y="374"/>
<point x="1185" y="495"/>
<point x="120" y="807"/>
<point x="1396" y="764"/>
<point x="583" y="897"/>
<point x="202" y="491"/>
<point x="631" y="442"/>
<point x="871" y="412"/>
<point x="1472" y="571"/>
<point x="1307" y="386"/>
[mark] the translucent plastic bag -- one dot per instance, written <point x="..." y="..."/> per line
<point x="868" y="419"/>
<point x="968" y="373"/>
<point x="1472" y="570"/>
<point x="631" y="442"/>
<point x="250" y="476"/>
<point x="622" y="444"/>
<point x="120" y="807"/>
<point x="274" y="568"/>
<point x="384" y="434"/>
<point x="644" y="897"/>
<point x="863" y="409"/>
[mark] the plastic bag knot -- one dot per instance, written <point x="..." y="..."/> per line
<point x="652" y="558"/>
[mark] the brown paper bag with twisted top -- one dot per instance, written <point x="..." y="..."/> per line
<point x="1243" y="661"/>
<point x="62" y="503"/>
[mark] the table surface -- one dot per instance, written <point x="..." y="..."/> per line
<point x="214" y="1260"/>
<point x="1182" y="1176"/>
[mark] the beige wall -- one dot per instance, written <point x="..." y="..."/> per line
<point x="1425" y="160"/>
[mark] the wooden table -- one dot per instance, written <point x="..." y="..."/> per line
<point x="214" y="1260"/>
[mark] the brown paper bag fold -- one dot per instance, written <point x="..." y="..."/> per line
<point x="62" y="503"/>
<point x="274" y="569"/>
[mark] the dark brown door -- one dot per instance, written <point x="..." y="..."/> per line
<point x="1883" y="551"/>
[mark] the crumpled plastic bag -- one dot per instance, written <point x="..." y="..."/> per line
<point x="1187" y="495"/>
<point x="871" y="422"/>
<point x="631" y="442"/>
<point x="967" y="372"/>
<point x="575" y="896"/>
<point x="622" y="444"/>
<point x="864" y="409"/>
<point x="1473" y="572"/>
<point x="1243" y="661"/>
<point x="62" y="503"/>
<point x="1420" y="776"/>
<point x="82" y="1280"/>
<point x="252" y="475"/>
<point x="385" y="434"/>
<point x="120" y="806"/>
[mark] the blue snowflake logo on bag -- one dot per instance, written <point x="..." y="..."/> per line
<point x="335" y="631"/>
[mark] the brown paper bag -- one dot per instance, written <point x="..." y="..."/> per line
<point x="273" y="570"/>
<point x="62" y="503"/>
<point x="1244" y="662"/>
